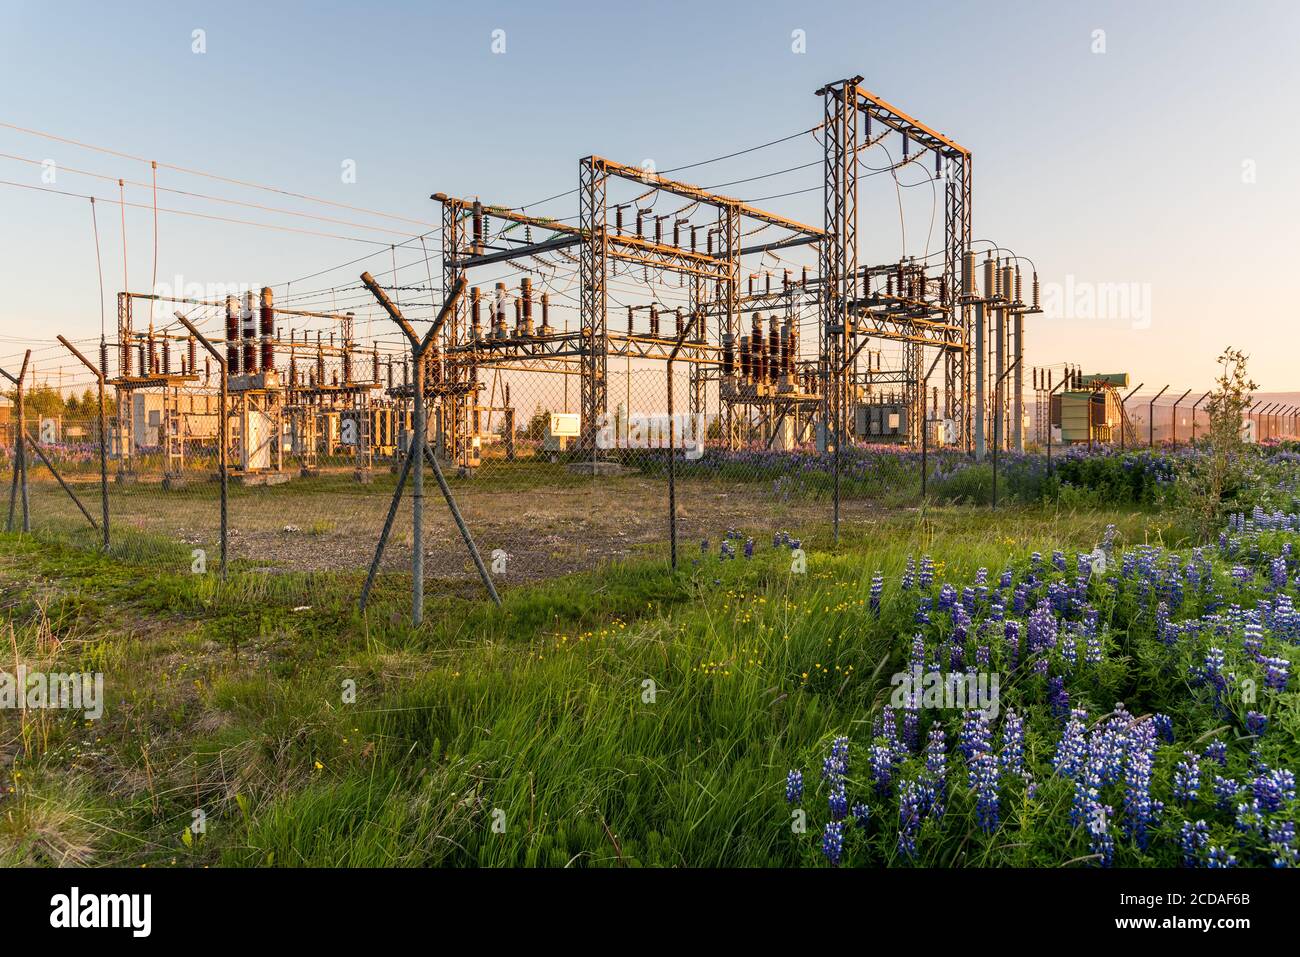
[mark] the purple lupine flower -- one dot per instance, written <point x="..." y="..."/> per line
<point x="1225" y="792"/>
<point x="839" y="803"/>
<point x="1217" y="751"/>
<point x="861" y="814"/>
<point x="1011" y="642"/>
<point x="1218" y="856"/>
<point x="1192" y="838"/>
<point x="1187" y="778"/>
<point x="877" y="587"/>
<point x="1281" y="841"/>
<point x="1274" y="788"/>
<point x="1256" y="723"/>
<point x="926" y="577"/>
<point x="1139" y="810"/>
<point x="1100" y="841"/>
<point x="1164" y="726"/>
<point x="833" y="842"/>
<point x="749" y="548"/>
<point x="936" y="770"/>
<point x="986" y="786"/>
<point x="909" y="817"/>
<point x="1250" y="817"/>
<point x="1012" y="756"/>
<point x="881" y="759"/>
<point x="794" y="787"/>
<point x="1277" y="671"/>
<point x="909" y="571"/>
<point x="1058" y="698"/>
<point x="1072" y="751"/>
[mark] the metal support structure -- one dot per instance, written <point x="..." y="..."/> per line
<point x="592" y="266"/>
<point x="925" y="430"/>
<point x="998" y="388"/>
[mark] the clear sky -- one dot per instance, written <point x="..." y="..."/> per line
<point x="1161" y="153"/>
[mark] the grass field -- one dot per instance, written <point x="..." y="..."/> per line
<point x="629" y="716"/>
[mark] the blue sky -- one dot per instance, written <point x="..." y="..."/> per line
<point x="1117" y="167"/>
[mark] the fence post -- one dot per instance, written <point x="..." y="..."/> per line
<point x="672" y="446"/>
<point x="1151" y="418"/>
<point x="99" y="374"/>
<point x="420" y="449"/>
<point x="223" y="432"/>
<point x="19" y="485"/>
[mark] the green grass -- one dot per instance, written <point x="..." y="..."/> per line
<point x="623" y="717"/>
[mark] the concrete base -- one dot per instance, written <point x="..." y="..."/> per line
<point x="253" y="479"/>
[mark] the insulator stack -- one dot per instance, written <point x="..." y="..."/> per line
<point x="478" y="228"/>
<point x="390" y="372"/>
<point x="166" y="356"/>
<point x="153" y="356"/>
<point x="142" y="357"/>
<point x="728" y="355"/>
<point x="803" y="278"/>
<point x="775" y="368"/>
<point x="677" y="315"/>
<point x="293" y="370"/>
<point x="374" y="363"/>
<point x="990" y="279"/>
<point x="232" y="335"/>
<point x="526" y="293"/>
<point x="268" y="330"/>
<point x="631" y="322"/>
<point x="347" y="363"/>
<point x="1008" y="287"/>
<point x="499" y="313"/>
<point x="191" y="354"/>
<point x="746" y="360"/>
<point x="546" y="314"/>
<point x="659" y="230"/>
<point x="249" y="323"/>
<point x="475" y="318"/>
<point x="1035" y="291"/>
<point x="519" y="316"/>
<point x="1019" y="288"/>
<point x="968" y="273"/>
<point x="618" y="219"/>
<point x="654" y="321"/>
<point x="103" y="357"/>
<point x="320" y="362"/>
